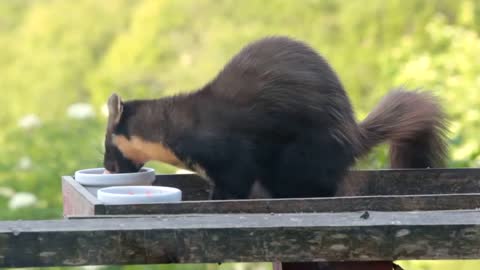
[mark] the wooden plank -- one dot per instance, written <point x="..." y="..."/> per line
<point x="411" y="181"/>
<point x="309" y="205"/>
<point x="383" y="236"/>
<point x="77" y="200"/>
<point x="364" y="182"/>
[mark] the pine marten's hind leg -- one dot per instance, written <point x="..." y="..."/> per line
<point x="312" y="166"/>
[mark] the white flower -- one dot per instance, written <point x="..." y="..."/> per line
<point x="80" y="111"/>
<point x="24" y="163"/>
<point x="22" y="199"/>
<point x="29" y="121"/>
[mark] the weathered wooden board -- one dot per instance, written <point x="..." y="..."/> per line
<point x="242" y="238"/>
<point x="77" y="200"/>
<point x="366" y="182"/>
<point x="411" y="181"/>
<point x="309" y="205"/>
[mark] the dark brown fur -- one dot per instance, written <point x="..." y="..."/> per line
<point x="414" y="123"/>
<point x="278" y="114"/>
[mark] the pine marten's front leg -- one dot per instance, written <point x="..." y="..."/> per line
<point x="227" y="161"/>
<point x="232" y="182"/>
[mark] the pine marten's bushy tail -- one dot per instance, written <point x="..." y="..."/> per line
<point x="414" y="124"/>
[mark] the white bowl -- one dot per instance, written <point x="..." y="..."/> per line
<point x="94" y="179"/>
<point x="139" y="195"/>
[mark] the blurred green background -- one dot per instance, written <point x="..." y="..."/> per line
<point x="60" y="60"/>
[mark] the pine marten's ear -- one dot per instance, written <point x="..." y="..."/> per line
<point x="115" y="109"/>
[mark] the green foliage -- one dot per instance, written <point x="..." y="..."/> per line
<point x="57" y="53"/>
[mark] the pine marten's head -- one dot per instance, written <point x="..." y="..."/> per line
<point x="135" y="135"/>
<point x="114" y="160"/>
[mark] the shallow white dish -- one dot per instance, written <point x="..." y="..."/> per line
<point x="94" y="179"/>
<point x="139" y="195"/>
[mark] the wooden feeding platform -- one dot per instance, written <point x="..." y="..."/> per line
<point x="378" y="216"/>
<point x="369" y="190"/>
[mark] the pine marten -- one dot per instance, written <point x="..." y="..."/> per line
<point x="277" y="113"/>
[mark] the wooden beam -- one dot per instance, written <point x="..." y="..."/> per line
<point x="310" y="205"/>
<point x="352" y="236"/>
